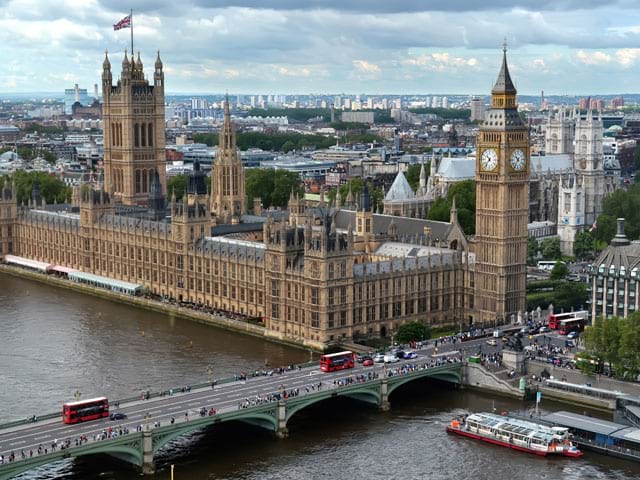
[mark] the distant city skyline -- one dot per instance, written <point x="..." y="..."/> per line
<point x="564" y="47"/>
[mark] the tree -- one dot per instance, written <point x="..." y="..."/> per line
<point x="288" y="146"/>
<point x="628" y="360"/>
<point x="412" y="332"/>
<point x="272" y="186"/>
<point x="413" y="174"/>
<point x="550" y="248"/>
<point x="52" y="189"/>
<point x="559" y="271"/>
<point x="177" y="184"/>
<point x="532" y="250"/>
<point x="620" y="204"/>
<point x="465" y="195"/>
<point x="583" y="245"/>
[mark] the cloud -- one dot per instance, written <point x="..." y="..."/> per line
<point x="593" y="58"/>
<point x="366" y="67"/>
<point x="627" y="56"/>
<point x="285" y="45"/>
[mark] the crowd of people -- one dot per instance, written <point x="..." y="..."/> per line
<point x="282" y="394"/>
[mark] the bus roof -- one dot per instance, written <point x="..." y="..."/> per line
<point x="578" y="314"/>
<point x="564" y="321"/>
<point x="84" y="402"/>
<point x="338" y="354"/>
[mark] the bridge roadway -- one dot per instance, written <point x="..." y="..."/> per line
<point x="235" y="400"/>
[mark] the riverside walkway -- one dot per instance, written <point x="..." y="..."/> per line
<point x="269" y="400"/>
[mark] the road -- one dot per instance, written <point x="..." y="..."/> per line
<point x="224" y="397"/>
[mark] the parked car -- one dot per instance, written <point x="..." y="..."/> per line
<point x="118" y="416"/>
<point x="492" y="341"/>
<point x="368" y="362"/>
<point x="379" y="358"/>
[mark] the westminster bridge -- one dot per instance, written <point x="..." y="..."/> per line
<point x="267" y="399"/>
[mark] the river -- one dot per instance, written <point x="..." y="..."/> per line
<point x="55" y="342"/>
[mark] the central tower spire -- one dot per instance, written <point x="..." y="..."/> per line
<point x="228" y="201"/>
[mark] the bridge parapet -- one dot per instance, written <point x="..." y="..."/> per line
<point x="140" y="447"/>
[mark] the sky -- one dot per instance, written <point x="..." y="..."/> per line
<point x="569" y="47"/>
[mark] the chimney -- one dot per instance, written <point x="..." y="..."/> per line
<point x="95" y="91"/>
<point x="76" y="93"/>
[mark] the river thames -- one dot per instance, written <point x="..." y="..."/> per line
<point x="55" y="342"/>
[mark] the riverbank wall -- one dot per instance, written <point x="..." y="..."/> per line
<point x="213" y="320"/>
<point x="477" y="377"/>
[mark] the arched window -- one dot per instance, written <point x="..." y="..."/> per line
<point x="150" y="135"/>
<point x="144" y="178"/>
<point x="138" y="182"/>
<point x="113" y="134"/>
<point x="136" y="135"/>
<point x="143" y="137"/>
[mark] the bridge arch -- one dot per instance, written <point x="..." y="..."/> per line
<point x="448" y="375"/>
<point x="130" y="453"/>
<point x="164" y="435"/>
<point x="367" y="395"/>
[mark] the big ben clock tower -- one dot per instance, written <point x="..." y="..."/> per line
<point x="502" y="210"/>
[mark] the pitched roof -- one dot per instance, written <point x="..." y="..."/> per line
<point x="405" y="225"/>
<point x="400" y="189"/>
<point x="503" y="82"/>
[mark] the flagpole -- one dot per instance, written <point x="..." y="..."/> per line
<point x="131" y="16"/>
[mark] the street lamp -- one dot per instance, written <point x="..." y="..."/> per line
<point x="209" y="372"/>
<point x="147" y="418"/>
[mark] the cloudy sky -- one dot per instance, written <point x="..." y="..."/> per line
<point x="328" y="46"/>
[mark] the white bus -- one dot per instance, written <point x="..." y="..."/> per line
<point x="548" y="264"/>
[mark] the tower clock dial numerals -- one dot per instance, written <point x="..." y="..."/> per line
<point x="489" y="160"/>
<point x="518" y="161"/>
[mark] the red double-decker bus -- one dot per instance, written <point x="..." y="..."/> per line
<point x="571" y="325"/>
<point x="337" y="361"/>
<point x="556" y="318"/>
<point x="84" y="410"/>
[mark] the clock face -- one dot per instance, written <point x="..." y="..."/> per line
<point x="517" y="160"/>
<point x="489" y="159"/>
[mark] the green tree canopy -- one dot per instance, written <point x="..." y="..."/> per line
<point x="272" y="186"/>
<point x="583" y="245"/>
<point x="412" y="332"/>
<point x="413" y="174"/>
<point x="532" y="250"/>
<point x="559" y="271"/>
<point x="620" y="204"/>
<point x="563" y="295"/>
<point x="616" y="341"/>
<point x="52" y="189"/>
<point x="465" y="195"/>
<point x="270" y="141"/>
<point x="550" y="248"/>
<point x="177" y="184"/>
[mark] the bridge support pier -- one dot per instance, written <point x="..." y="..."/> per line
<point x="282" y="431"/>
<point x="148" y="464"/>
<point x="384" y="406"/>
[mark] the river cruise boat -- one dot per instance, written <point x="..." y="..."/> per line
<point x="515" y="433"/>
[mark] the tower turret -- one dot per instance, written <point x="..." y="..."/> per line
<point x="228" y="200"/>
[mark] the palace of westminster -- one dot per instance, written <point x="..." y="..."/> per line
<point x="315" y="274"/>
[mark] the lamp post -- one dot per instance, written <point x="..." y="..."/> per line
<point x="209" y="372"/>
<point x="147" y="419"/>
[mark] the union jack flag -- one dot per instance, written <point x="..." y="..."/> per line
<point x="594" y="226"/>
<point x="124" y="23"/>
